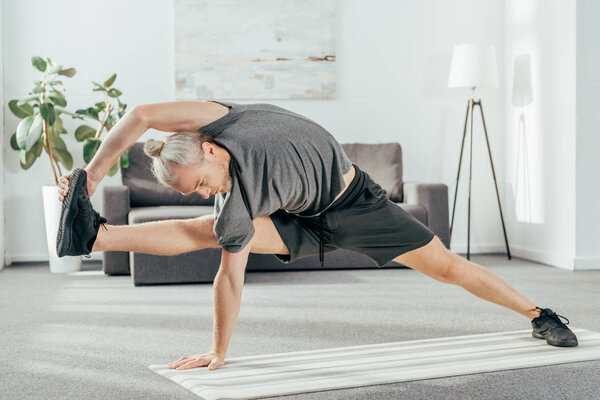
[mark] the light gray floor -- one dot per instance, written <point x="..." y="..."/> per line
<point x="92" y="336"/>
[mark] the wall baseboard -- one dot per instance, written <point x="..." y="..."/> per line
<point x="40" y="257"/>
<point x="543" y="257"/>
<point x="587" y="264"/>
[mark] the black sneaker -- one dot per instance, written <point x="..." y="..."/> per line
<point x="549" y="326"/>
<point x="79" y="222"/>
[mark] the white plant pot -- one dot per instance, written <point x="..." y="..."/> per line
<point x="52" y="207"/>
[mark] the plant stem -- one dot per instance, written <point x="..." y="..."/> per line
<point x="49" y="149"/>
<point x="46" y="138"/>
<point x="107" y="111"/>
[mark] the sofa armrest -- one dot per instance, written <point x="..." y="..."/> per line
<point x="116" y="207"/>
<point x="115" y="204"/>
<point x="434" y="197"/>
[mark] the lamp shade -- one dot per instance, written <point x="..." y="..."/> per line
<point x="522" y="88"/>
<point x="473" y="66"/>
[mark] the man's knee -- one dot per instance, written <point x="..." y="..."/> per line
<point x="453" y="268"/>
<point x="201" y="229"/>
<point x="434" y="260"/>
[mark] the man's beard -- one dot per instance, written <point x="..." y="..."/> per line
<point x="228" y="182"/>
<point x="228" y="186"/>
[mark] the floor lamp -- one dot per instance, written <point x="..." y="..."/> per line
<point x="474" y="66"/>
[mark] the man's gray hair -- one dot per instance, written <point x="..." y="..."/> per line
<point x="181" y="148"/>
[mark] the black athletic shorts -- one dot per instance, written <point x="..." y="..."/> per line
<point x="363" y="219"/>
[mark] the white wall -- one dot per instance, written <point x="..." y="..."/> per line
<point x="393" y="64"/>
<point x="2" y="247"/>
<point x="541" y="205"/>
<point x="587" y="231"/>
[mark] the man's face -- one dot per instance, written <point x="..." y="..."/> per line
<point x="206" y="179"/>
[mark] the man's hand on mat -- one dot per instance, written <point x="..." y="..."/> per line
<point x="63" y="185"/>
<point x="212" y="360"/>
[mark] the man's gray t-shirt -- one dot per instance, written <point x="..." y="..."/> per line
<point x="279" y="160"/>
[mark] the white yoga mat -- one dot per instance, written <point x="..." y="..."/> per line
<point x="345" y="367"/>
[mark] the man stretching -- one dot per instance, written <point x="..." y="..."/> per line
<point x="282" y="186"/>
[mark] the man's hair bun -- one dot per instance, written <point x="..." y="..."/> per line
<point x="153" y="148"/>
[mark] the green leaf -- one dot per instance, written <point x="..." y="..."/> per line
<point x="90" y="112"/>
<point x="99" y="90"/>
<point x="23" y="131"/>
<point x="60" y="152"/>
<point x="27" y="159"/>
<point x="58" y="125"/>
<point x="56" y="129"/>
<point x="37" y="89"/>
<point x="20" y="111"/>
<point x="125" y="159"/>
<point x="99" y="85"/>
<point x="99" y="107"/>
<point x="84" y="132"/>
<point x="47" y="111"/>
<point x="54" y="83"/>
<point x="55" y="69"/>
<point x="114" y="92"/>
<point x="37" y="149"/>
<point x="58" y="100"/>
<point x="29" y="131"/>
<point x="90" y="147"/>
<point x="110" y="81"/>
<point x="38" y="63"/>
<point x="36" y="130"/>
<point x="64" y="157"/>
<point x="114" y="169"/>
<point x="69" y="72"/>
<point x="57" y="143"/>
<point x="13" y="142"/>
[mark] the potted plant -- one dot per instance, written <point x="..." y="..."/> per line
<point x="40" y="129"/>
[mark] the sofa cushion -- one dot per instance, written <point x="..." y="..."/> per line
<point x="383" y="162"/>
<point x="139" y="215"/>
<point x="145" y="190"/>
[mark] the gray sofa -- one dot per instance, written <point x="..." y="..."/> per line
<point x="142" y="199"/>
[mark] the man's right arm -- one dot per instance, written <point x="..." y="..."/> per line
<point x="227" y="288"/>
<point x="174" y="116"/>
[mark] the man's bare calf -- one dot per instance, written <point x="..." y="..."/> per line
<point x="181" y="236"/>
<point x="436" y="261"/>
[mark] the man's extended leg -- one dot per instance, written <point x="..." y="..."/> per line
<point x="181" y="236"/>
<point x="436" y="261"/>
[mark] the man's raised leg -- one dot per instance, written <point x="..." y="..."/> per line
<point x="172" y="237"/>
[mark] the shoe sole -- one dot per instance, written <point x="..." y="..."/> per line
<point x="68" y="213"/>
<point x="553" y="343"/>
<point x="562" y="344"/>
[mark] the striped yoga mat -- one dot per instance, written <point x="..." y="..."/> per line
<point x="345" y="367"/>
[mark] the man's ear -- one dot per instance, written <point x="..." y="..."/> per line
<point x="209" y="149"/>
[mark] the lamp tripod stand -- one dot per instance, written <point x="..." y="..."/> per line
<point x="471" y="105"/>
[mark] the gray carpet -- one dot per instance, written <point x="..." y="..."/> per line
<point x="91" y="336"/>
